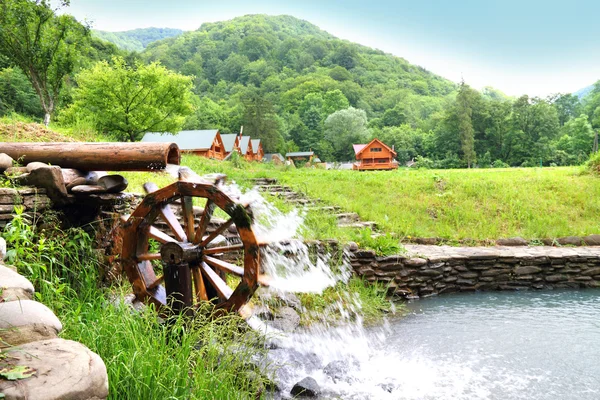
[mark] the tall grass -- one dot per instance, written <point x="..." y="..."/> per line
<point x="202" y="358"/>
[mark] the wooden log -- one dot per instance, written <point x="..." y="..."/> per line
<point x="96" y="156"/>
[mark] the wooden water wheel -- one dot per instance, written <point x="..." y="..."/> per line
<point x="192" y="257"/>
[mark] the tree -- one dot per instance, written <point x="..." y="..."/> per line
<point x="261" y="122"/>
<point x="464" y="114"/>
<point x="128" y="101"/>
<point x="343" y="129"/>
<point x="46" y="47"/>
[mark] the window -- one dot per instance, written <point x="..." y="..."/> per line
<point x="381" y="160"/>
<point x="376" y="150"/>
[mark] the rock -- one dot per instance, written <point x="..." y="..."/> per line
<point x="286" y="319"/>
<point x="352" y="246"/>
<point x="14" y="286"/>
<point x="527" y="270"/>
<point x="32" y="166"/>
<point x="307" y="387"/>
<point x="47" y="177"/>
<point x="415" y="262"/>
<point x="76" y="182"/>
<point x="113" y="183"/>
<point x="338" y="370"/>
<point x="26" y="321"/>
<point x="88" y="189"/>
<point x="514" y="241"/>
<point x="427" y="241"/>
<point x="570" y="241"/>
<point x="5" y="162"/>
<point x="592" y="240"/>
<point x="64" y="370"/>
<point x="2" y="248"/>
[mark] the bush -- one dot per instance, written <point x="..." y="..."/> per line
<point x="500" y="164"/>
<point x="423" y="162"/>
<point x="593" y="164"/>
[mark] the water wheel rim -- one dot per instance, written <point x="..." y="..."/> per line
<point x="137" y="231"/>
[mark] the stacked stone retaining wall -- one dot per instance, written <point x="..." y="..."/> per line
<point x="33" y="200"/>
<point x="432" y="270"/>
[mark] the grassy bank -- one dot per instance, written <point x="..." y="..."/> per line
<point x="480" y="204"/>
<point x="145" y="359"/>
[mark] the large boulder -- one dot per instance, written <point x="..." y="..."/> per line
<point x="64" y="370"/>
<point x="48" y="177"/>
<point x="14" y="286"/>
<point x="26" y="321"/>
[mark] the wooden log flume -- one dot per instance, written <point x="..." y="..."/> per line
<point x="96" y="156"/>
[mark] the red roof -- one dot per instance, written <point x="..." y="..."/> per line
<point x="358" y="147"/>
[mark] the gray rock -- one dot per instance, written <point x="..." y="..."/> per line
<point x="50" y="178"/>
<point x="5" y="162"/>
<point x="26" y="321"/>
<point x="570" y="241"/>
<point x="64" y="370"/>
<point x="32" y="166"/>
<point x="76" y="182"/>
<point x="592" y="240"/>
<point x="286" y="319"/>
<point x="415" y="262"/>
<point x="514" y="241"/>
<point x="89" y="189"/>
<point x="14" y="286"/>
<point x="527" y="270"/>
<point x="113" y="183"/>
<point x="338" y="370"/>
<point x="2" y="248"/>
<point x="307" y="387"/>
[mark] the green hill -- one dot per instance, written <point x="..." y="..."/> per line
<point x="299" y="74"/>
<point x="136" y="39"/>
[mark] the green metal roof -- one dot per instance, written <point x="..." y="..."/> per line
<point x="229" y="141"/>
<point x="244" y="144"/>
<point x="255" y="144"/>
<point x="186" y="140"/>
<point x="300" y="154"/>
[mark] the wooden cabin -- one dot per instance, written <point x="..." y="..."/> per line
<point x="204" y="143"/>
<point x="257" y="149"/>
<point x="246" y="148"/>
<point x="231" y="142"/>
<point x="375" y="155"/>
<point x="300" y="156"/>
<point x="275" y="158"/>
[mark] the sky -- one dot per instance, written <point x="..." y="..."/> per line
<point x="534" y="47"/>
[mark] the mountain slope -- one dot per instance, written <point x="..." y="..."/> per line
<point x="281" y="77"/>
<point x="137" y="39"/>
<point x="581" y="93"/>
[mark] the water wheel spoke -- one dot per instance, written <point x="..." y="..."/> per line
<point x="199" y="287"/>
<point x="187" y="209"/>
<point x="167" y="214"/>
<point x="209" y="209"/>
<point x="219" y="284"/>
<point x="148" y="256"/>
<point x="224" y="266"/>
<point x="223" y="249"/>
<point x="216" y="233"/>
<point x="159" y="235"/>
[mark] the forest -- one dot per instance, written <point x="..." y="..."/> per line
<point x="297" y="87"/>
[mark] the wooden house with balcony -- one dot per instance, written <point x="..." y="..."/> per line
<point x="375" y="155"/>
<point x="257" y="149"/>
<point x="204" y="143"/>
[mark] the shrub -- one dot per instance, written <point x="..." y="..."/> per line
<point x="500" y="164"/>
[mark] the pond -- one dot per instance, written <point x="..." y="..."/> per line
<point x="500" y="345"/>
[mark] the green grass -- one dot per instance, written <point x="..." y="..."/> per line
<point x="478" y="204"/>
<point x="203" y="358"/>
<point x="459" y="204"/>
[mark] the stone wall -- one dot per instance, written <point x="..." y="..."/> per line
<point x="33" y="200"/>
<point x="432" y="270"/>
